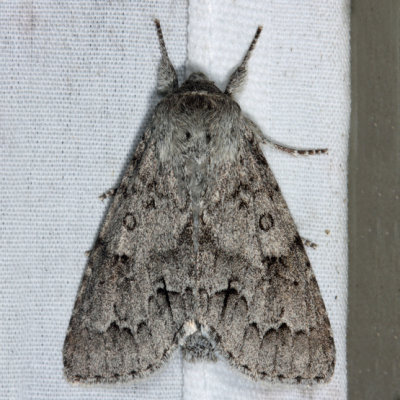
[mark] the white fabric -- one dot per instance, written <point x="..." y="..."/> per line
<point x="298" y="92"/>
<point x="77" y="86"/>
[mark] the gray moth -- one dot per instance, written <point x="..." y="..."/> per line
<point x="199" y="251"/>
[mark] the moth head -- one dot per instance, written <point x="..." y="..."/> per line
<point x="199" y="82"/>
<point x="167" y="80"/>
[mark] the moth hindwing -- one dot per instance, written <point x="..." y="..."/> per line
<point x="199" y="250"/>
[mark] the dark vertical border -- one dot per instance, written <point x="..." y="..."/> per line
<point x="374" y="202"/>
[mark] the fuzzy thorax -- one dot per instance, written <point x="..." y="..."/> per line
<point x="198" y="127"/>
<point x="198" y="131"/>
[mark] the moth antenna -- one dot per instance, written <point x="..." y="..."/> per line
<point x="167" y="80"/>
<point x="238" y="77"/>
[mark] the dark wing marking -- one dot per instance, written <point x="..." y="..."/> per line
<point x="133" y="297"/>
<point x="265" y="309"/>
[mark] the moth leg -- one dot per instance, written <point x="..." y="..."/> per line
<point x="261" y="138"/>
<point x="294" y="151"/>
<point x="309" y="243"/>
<point x="109" y="193"/>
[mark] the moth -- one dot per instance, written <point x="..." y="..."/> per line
<point x="199" y="251"/>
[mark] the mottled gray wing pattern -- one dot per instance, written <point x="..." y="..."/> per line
<point x="132" y="300"/>
<point x="257" y="292"/>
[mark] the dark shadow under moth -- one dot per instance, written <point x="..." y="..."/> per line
<point x="199" y="250"/>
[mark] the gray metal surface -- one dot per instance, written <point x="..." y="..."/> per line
<point x="374" y="203"/>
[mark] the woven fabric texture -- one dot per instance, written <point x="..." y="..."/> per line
<point x="77" y="88"/>
<point x="76" y="91"/>
<point x="298" y="92"/>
